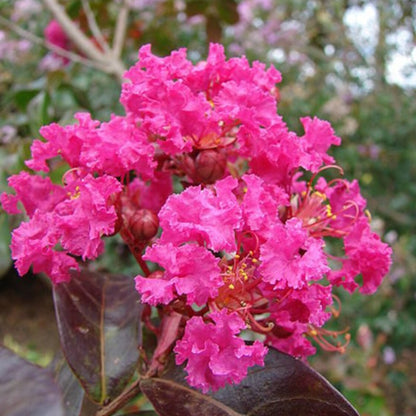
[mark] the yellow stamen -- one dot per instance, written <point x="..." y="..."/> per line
<point x="76" y="194"/>
<point x="320" y="195"/>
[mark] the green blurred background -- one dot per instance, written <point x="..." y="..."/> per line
<point x="348" y="61"/>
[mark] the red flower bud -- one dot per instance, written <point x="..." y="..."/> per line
<point x="210" y="165"/>
<point x="143" y="224"/>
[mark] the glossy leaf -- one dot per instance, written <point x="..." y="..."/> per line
<point x="171" y="398"/>
<point x="72" y="392"/>
<point x="98" y="319"/>
<point x="26" y="389"/>
<point x="284" y="386"/>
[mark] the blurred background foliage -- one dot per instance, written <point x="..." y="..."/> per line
<point x="351" y="62"/>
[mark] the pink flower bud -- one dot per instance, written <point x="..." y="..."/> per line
<point x="143" y="224"/>
<point x="210" y="165"/>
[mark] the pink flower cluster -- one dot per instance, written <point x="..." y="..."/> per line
<point x="242" y="248"/>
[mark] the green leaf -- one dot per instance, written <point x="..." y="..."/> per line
<point x="195" y="7"/>
<point x="228" y="12"/>
<point x="98" y="318"/>
<point x="26" y="389"/>
<point x="284" y="386"/>
<point x="5" y="259"/>
<point x="22" y="98"/>
<point x="44" y="108"/>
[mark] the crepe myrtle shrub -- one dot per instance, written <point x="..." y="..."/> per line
<point x="227" y="214"/>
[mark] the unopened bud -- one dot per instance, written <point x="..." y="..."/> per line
<point x="143" y="224"/>
<point x="210" y="165"/>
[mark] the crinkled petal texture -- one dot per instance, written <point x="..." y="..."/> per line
<point x="86" y="216"/>
<point x="318" y="138"/>
<point x="112" y="148"/>
<point x="260" y="204"/>
<point x="66" y="221"/>
<point x="214" y="353"/>
<point x="152" y="194"/>
<point x="182" y="106"/>
<point x="366" y="255"/>
<point x="189" y="270"/>
<point x="291" y="258"/>
<point x="293" y="316"/>
<point x="33" y="192"/>
<point x="33" y="244"/>
<point x="203" y="216"/>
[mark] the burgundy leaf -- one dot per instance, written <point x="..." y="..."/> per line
<point x="26" y="389"/>
<point x="284" y="386"/>
<point x="72" y="392"/>
<point x="170" y="398"/>
<point x="98" y="319"/>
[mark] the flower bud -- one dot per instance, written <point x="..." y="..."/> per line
<point x="143" y="224"/>
<point x="210" y="165"/>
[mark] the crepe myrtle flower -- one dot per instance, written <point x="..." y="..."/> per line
<point x="64" y="221"/>
<point x="218" y="263"/>
<point x="204" y="182"/>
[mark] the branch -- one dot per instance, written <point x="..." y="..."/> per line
<point x="82" y="42"/>
<point x="120" y="31"/>
<point x="56" y="49"/>
<point x="92" y="24"/>
<point x="128" y="394"/>
<point x="73" y="32"/>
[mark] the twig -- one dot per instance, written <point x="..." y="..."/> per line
<point x="82" y="42"/>
<point x="56" y="49"/>
<point x="120" y="30"/>
<point x="92" y="23"/>
<point x="119" y="402"/>
<point x="73" y="32"/>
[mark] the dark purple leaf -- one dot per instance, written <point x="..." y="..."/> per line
<point x="284" y="386"/>
<point x="170" y="398"/>
<point x="72" y="392"/>
<point x="26" y="389"/>
<point x="98" y="319"/>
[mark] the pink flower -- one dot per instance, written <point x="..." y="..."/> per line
<point x="366" y="255"/>
<point x="151" y="194"/>
<point x="276" y="155"/>
<point x="66" y="142"/>
<point x="117" y="147"/>
<point x="87" y="215"/>
<point x="203" y="216"/>
<point x="33" y="192"/>
<point x="318" y="137"/>
<point x="302" y="311"/>
<point x="189" y="270"/>
<point x="260" y="204"/>
<point x="74" y="217"/>
<point x="290" y="258"/>
<point x="33" y="244"/>
<point x="215" y="355"/>
<point x="182" y="106"/>
<point x="55" y="35"/>
<point x="112" y="148"/>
